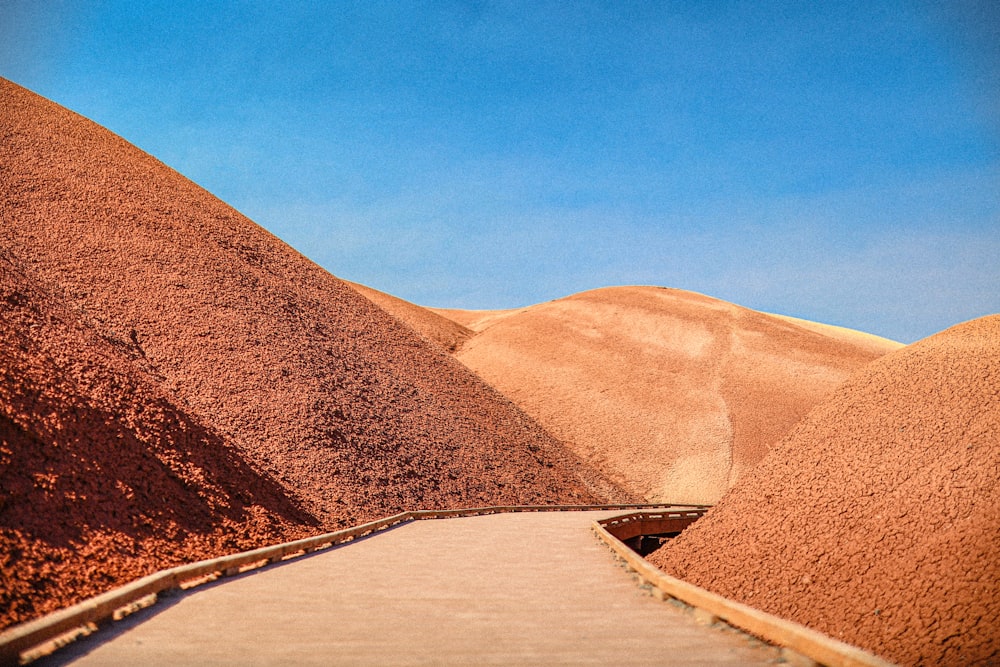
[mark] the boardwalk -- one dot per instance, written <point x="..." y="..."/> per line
<point x="504" y="589"/>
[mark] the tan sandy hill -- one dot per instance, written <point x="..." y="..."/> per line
<point x="674" y="394"/>
<point x="476" y="320"/>
<point x="877" y="519"/>
<point x="347" y="411"/>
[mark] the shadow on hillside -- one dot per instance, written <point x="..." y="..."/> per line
<point x="82" y="470"/>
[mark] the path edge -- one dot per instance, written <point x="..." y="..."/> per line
<point x="25" y="642"/>
<point x="800" y="645"/>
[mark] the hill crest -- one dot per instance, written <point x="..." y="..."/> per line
<point x="674" y="394"/>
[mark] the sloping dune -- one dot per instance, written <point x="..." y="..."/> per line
<point x="348" y="411"/>
<point x="446" y="332"/>
<point x="671" y="393"/>
<point x="102" y="477"/>
<point x="476" y="320"/>
<point x="877" y="520"/>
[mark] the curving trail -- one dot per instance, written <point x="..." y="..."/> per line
<point x="503" y="589"/>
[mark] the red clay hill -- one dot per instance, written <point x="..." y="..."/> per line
<point x="172" y="371"/>
<point x="673" y="394"/>
<point x="102" y="476"/>
<point x="437" y="328"/>
<point x="877" y="519"/>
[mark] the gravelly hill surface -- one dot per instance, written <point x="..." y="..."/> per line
<point x="443" y="331"/>
<point x="877" y="520"/>
<point x="320" y="394"/>
<point x="102" y="477"/>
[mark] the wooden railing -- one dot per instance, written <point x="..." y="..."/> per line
<point x="119" y="602"/>
<point x="17" y="642"/>
<point x="674" y="520"/>
<point x="800" y="644"/>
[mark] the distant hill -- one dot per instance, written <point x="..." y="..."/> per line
<point x="673" y="394"/>
<point x="441" y="330"/>
<point x="877" y="519"/>
<point x="278" y="375"/>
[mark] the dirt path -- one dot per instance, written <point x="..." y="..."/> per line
<point x="501" y="589"/>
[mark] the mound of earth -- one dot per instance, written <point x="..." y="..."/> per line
<point x="877" y="519"/>
<point x="446" y="332"/>
<point x="672" y="394"/>
<point x="102" y="477"/>
<point x="247" y="345"/>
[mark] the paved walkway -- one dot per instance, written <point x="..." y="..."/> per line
<point x="505" y="589"/>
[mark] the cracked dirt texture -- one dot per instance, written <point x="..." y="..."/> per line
<point x="184" y="322"/>
<point x="877" y="519"/>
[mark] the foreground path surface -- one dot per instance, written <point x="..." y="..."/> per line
<point x="530" y="588"/>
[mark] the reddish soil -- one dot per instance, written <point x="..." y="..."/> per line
<point x="103" y="477"/>
<point x="183" y="342"/>
<point x="877" y="519"/>
<point x="445" y="332"/>
<point x="673" y="394"/>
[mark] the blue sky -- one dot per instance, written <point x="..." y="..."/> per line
<point x="833" y="161"/>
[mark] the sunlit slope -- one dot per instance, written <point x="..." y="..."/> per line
<point x="674" y="394"/>
<point x="877" y="519"/>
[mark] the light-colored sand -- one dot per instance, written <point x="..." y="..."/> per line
<point x="877" y="344"/>
<point x="476" y="320"/>
<point x="672" y="393"/>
